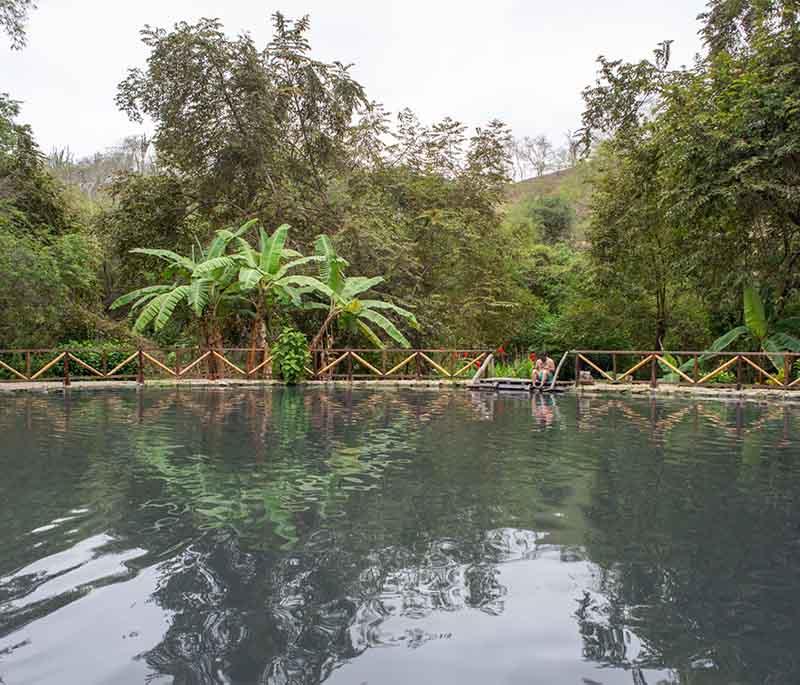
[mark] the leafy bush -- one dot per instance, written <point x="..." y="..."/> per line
<point x="291" y="356"/>
<point x="519" y="368"/>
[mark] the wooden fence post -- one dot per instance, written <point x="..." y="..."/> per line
<point x="653" y="375"/>
<point x="739" y="373"/>
<point x="577" y="369"/>
<point x="787" y="370"/>
<point x="177" y="363"/>
<point x="28" y="363"/>
<point x="66" y="369"/>
<point x="696" y="373"/>
<point x="350" y="366"/>
<point x="614" y="365"/>
<point x="140" y="370"/>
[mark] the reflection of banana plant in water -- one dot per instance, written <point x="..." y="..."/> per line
<point x="344" y="304"/>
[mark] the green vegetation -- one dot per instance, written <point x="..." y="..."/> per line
<point x="685" y="197"/>
<point x="291" y="355"/>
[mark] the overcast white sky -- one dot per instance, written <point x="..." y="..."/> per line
<point x="523" y="61"/>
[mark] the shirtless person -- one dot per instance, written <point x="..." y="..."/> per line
<point x="545" y="368"/>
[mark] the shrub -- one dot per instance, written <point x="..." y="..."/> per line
<point x="291" y="356"/>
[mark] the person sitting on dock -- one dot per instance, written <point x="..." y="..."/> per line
<point x="544" y="371"/>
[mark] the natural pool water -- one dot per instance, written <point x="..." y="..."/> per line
<point x="287" y="536"/>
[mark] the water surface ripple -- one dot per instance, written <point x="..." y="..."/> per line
<point x="385" y="536"/>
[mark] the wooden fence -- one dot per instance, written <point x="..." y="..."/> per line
<point x="693" y="368"/>
<point x="780" y="370"/>
<point x="141" y="364"/>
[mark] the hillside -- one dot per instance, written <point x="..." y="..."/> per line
<point x="573" y="184"/>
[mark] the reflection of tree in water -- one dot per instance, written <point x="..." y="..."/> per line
<point x="696" y="548"/>
<point x="310" y="544"/>
<point x="262" y="617"/>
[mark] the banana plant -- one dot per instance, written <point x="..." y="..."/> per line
<point x="767" y="336"/>
<point x="345" y="306"/>
<point x="264" y="276"/>
<point x="772" y="337"/>
<point x="209" y="294"/>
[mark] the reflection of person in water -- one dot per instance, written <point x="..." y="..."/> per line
<point x="542" y="409"/>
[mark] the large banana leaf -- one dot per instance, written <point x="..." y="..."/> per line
<point x="725" y="341"/>
<point x="168" y="256"/>
<point x="249" y="278"/>
<point x="217" y="263"/>
<point x="367" y="331"/>
<point x="313" y="284"/>
<point x="199" y="293"/>
<point x="391" y="330"/>
<point x="332" y="266"/>
<point x="280" y="273"/>
<point x="272" y="249"/>
<point x="150" y="290"/>
<point x="149" y="313"/>
<point x="754" y="316"/>
<point x="380" y="304"/>
<point x="359" y="284"/>
<point x="168" y="304"/>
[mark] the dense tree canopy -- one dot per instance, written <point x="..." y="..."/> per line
<point x="688" y="195"/>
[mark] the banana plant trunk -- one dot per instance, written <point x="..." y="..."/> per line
<point x="259" y="347"/>
<point x="212" y="337"/>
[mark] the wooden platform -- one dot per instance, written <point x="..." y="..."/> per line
<point x="512" y="384"/>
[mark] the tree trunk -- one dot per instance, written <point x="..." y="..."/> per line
<point x="259" y="347"/>
<point x="212" y="338"/>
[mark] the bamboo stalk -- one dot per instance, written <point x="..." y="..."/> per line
<point x="229" y="363"/>
<point x="194" y="363"/>
<point x="436" y="366"/>
<point x="470" y="364"/>
<point x="634" y="369"/>
<point x="400" y="365"/>
<point x="13" y="370"/>
<point x="718" y="371"/>
<point x="333" y="363"/>
<point x="597" y="368"/>
<point x="675" y="369"/>
<point x="161" y="366"/>
<point x="758" y="368"/>
<point x="47" y="366"/>
<point x="121" y="364"/>
<point x="364" y="362"/>
<point x="86" y="366"/>
<point x="260" y="366"/>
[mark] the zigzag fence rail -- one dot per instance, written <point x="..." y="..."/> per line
<point x="777" y="370"/>
<point x="142" y="364"/>
<point x="687" y="368"/>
